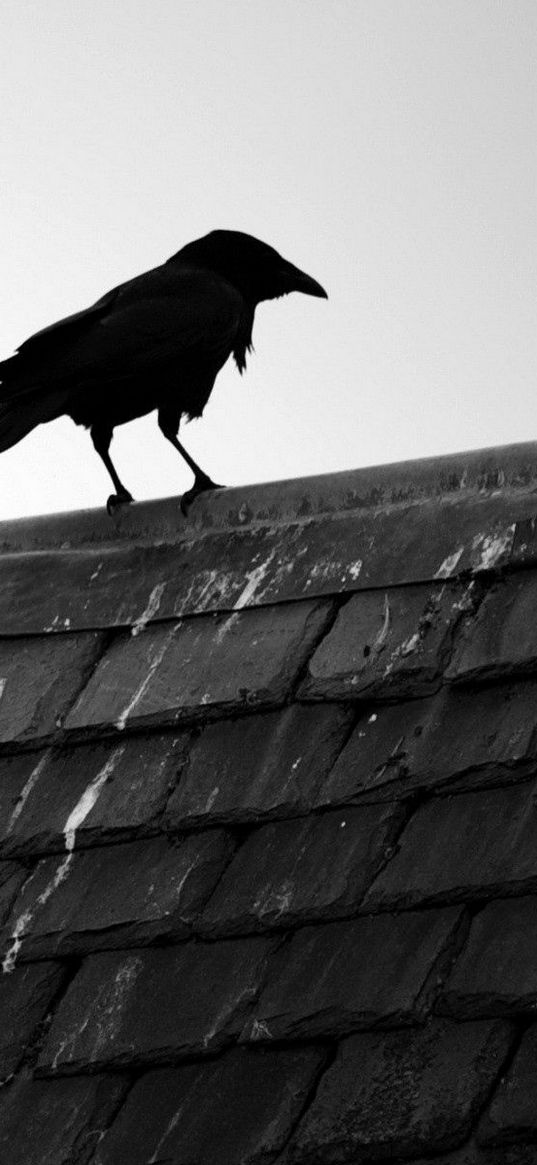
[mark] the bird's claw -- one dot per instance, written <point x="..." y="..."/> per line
<point x="201" y="484"/>
<point x="115" y="501"/>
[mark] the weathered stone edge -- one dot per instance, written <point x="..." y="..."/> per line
<point x="504" y="469"/>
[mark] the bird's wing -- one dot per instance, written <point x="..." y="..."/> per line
<point x="169" y="314"/>
<point x="68" y="326"/>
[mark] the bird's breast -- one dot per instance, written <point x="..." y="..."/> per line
<point x="243" y="340"/>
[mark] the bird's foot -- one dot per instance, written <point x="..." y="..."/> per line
<point x="201" y="483"/>
<point x="115" y="501"/>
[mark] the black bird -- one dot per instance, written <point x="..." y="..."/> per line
<point x="155" y="342"/>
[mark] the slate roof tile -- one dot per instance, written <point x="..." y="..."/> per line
<point x="267" y="824"/>
<point x="190" y="1114"/>
<point x="512" y="1114"/>
<point x="474" y="1154"/>
<point x="56" y="1124"/>
<point x="372" y="972"/>
<point x="468" y="846"/>
<point x="446" y="739"/>
<point x="502" y="638"/>
<point x="265" y="765"/>
<point x="156" y="1006"/>
<point x="24" y="999"/>
<point x="296" y="871"/>
<point x="115" y="895"/>
<point x="130" y="780"/>
<point x="402" y="1093"/>
<point x="12" y="876"/>
<point x="39" y="680"/>
<point x="496" y="973"/>
<point x="386" y="643"/>
<point x="17" y="773"/>
<point x="173" y="669"/>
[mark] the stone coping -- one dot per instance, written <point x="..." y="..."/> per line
<point x="510" y="469"/>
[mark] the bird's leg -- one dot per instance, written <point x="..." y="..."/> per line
<point x="101" y="436"/>
<point x="168" y="426"/>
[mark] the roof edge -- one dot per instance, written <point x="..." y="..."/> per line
<point x="483" y="471"/>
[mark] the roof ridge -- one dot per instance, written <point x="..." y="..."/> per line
<point x="297" y="500"/>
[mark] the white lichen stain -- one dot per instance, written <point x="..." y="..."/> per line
<point x="155" y="1157"/>
<point x="354" y="569"/>
<point x="380" y="639"/>
<point x="201" y="594"/>
<point x="211" y="799"/>
<point x="254" y="579"/>
<point x="73" y="1037"/>
<point x="89" y="798"/>
<point x="372" y="718"/>
<point x="326" y="568"/>
<point x="21" y="925"/>
<point x="26" y="790"/>
<point x="110" y="1009"/>
<point x="226" y="626"/>
<point x="227" y="1012"/>
<point x="466" y="601"/>
<point x="274" y="902"/>
<point x="410" y="644"/>
<point x="493" y="547"/>
<point x="260" y="1030"/>
<point x="184" y="876"/>
<point x="150" y="610"/>
<point x="140" y="691"/>
<point x="450" y="564"/>
<point x="10" y="958"/>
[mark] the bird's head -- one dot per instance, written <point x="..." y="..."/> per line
<point x="254" y="268"/>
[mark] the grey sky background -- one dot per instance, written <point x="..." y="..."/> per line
<point x="388" y="147"/>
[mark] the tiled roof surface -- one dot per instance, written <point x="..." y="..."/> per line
<point x="268" y="824"/>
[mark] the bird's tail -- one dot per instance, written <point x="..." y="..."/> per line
<point x="15" y="422"/>
<point x="19" y="416"/>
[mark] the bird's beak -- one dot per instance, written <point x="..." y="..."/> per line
<point x="297" y="280"/>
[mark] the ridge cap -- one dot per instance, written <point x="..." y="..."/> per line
<point x="497" y="469"/>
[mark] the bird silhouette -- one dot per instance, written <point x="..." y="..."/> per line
<point x="157" y="341"/>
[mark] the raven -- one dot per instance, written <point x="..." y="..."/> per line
<point x="155" y="342"/>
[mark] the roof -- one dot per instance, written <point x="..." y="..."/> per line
<point x="268" y="819"/>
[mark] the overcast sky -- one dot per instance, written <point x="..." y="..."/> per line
<point x="388" y="147"/>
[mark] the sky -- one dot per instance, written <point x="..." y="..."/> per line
<point x="387" y="147"/>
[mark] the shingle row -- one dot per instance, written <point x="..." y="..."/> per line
<point x="465" y="847"/>
<point x="158" y="1005"/>
<point x="383" y="645"/>
<point x="261" y="765"/>
<point x="162" y="1005"/>
<point x="378" y="1096"/>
